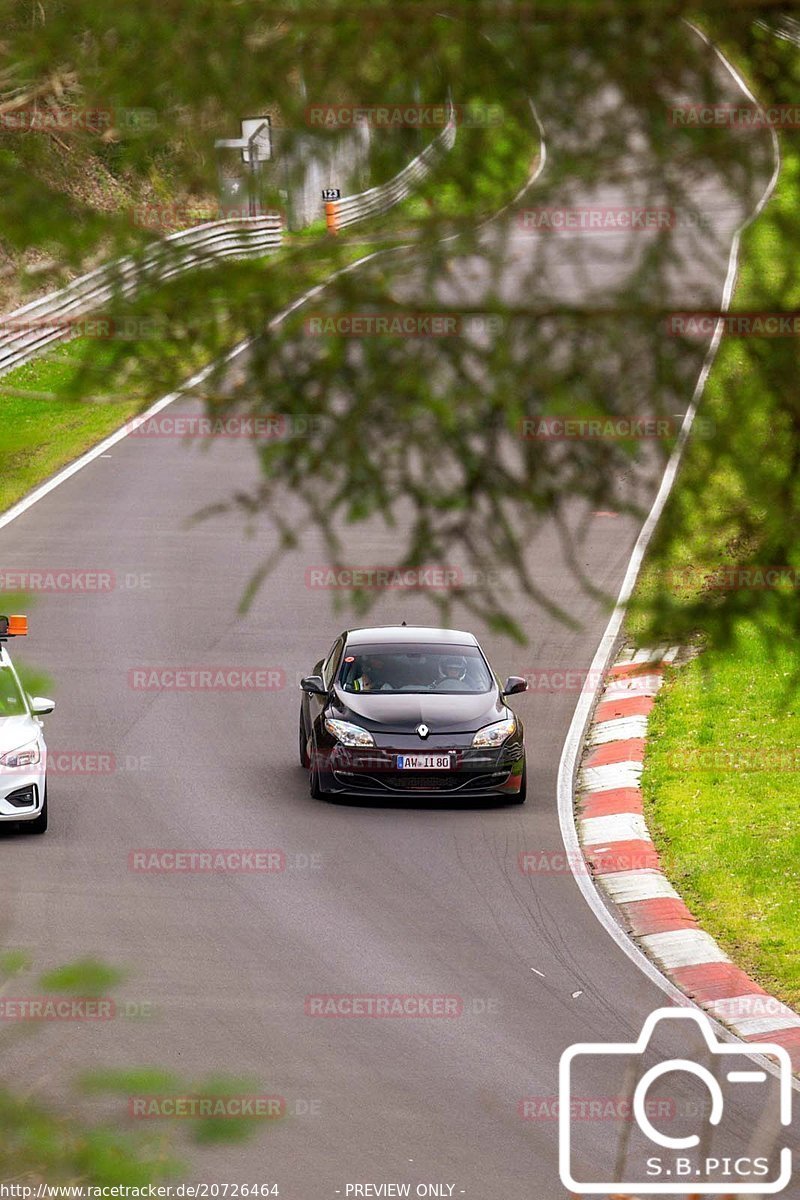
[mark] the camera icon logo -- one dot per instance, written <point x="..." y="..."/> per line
<point x="655" y="1161"/>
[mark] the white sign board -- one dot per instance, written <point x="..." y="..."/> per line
<point x="262" y="145"/>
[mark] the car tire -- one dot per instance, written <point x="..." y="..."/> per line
<point x="38" y="824"/>
<point x="522" y="794"/>
<point x="305" y="761"/>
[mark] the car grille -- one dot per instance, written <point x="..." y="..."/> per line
<point x="422" y="781"/>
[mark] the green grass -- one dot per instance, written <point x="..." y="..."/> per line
<point x="722" y="806"/>
<point x="42" y="430"/>
<point x="723" y="810"/>
<point x="45" y="426"/>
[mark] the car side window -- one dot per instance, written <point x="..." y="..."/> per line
<point x="331" y="663"/>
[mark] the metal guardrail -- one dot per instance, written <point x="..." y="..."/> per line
<point x="349" y="209"/>
<point x="56" y="317"/>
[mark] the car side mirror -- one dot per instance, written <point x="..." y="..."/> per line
<point x="514" y="684"/>
<point x="313" y="685"/>
<point x="41" y="706"/>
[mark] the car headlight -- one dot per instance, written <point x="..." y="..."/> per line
<point x="349" y="735"/>
<point x="494" y="735"/>
<point x="25" y="756"/>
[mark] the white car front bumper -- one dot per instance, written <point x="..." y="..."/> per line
<point x="24" y="784"/>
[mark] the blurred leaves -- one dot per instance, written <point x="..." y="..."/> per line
<point x="87" y="977"/>
<point x="421" y="435"/>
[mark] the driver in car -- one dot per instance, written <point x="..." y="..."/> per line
<point x="373" y="675"/>
<point x="453" y="674"/>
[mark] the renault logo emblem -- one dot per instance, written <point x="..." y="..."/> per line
<point x="423" y="731"/>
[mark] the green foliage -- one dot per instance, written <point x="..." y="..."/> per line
<point x="426" y="427"/>
<point x="43" y="1143"/>
<point x="87" y="977"/>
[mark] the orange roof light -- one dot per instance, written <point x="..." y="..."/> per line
<point x="17" y="626"/>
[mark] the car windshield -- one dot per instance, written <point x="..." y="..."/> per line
<point x="414" y="668"/>
<point x="12" y="703"/>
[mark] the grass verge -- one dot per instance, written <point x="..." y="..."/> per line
<point x="46" y="426"/>
<point x="721" y="781"/>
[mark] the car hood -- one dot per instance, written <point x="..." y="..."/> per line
<point x="16" y="731"/>
<point x="451" y="713"/>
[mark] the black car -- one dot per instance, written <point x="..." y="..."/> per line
<point x="407" y="709"/>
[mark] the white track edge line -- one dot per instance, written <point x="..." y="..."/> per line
<point x="131" y="425"/>
<point x="573" y="743"/>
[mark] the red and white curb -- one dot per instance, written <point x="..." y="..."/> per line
<point x="621" y="856"/>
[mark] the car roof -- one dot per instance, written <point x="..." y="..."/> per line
<point x="410" y="633"/>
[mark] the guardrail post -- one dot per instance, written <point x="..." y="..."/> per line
<point x="330" y="216"/>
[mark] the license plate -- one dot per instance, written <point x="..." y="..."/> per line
<point x="424" y="762"/>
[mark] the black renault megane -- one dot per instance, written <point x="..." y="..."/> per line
<point x="408" y="709"/>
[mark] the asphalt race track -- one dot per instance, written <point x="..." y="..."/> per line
<point x="403" y="899"/>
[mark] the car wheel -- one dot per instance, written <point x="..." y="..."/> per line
<point x="38" y="824"/>
<point x="305" y="761"/>
<point x="522" y="794"/>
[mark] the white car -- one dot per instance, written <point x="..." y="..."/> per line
<point x="23" y="754"/>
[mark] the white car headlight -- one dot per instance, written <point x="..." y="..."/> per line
<point x="494" y="735"/>
<point x="25" y="756"/>
<point x="349" y="735"/>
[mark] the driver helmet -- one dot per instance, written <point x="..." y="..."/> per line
<point x="453" y="666"/>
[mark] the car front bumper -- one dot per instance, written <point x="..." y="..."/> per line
<point x="21" y="794"/>
<point x="374" y="772"/>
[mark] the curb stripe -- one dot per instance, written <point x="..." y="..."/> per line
<point x="620" y="728"/>
<point x="683" y="948"/>
<point x="617" y="846"/>
<point x="629" y="750"/>
<point x="658" y="915"/>
<point x="611" y="776"/>
<point x="715" y="981"/>
<point x="626" y="706"/>
<point x="622" y="827"/>
<point x="618" y="800"/>
<point x="644" y="884"/>
<point x="622" y="857"/>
